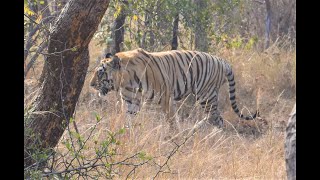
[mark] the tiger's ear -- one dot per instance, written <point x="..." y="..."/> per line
<point x="108" y="55"/>
<point x="116" y="62"/>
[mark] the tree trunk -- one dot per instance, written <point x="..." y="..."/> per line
<point x="268" y="24"/>
<point x="174" y="44"/>
<point x="146" y="27"/>
<point x="119" y="28"/>
<point x="290" y="146"/>
<point x="201" y="40"/>
<point x="63" y="73"/>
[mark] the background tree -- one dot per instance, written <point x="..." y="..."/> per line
<point x="268" y="23"/>
<point x="39" y="15"/>
<point x="63" y="73"/>
<point x="118" y="27"/>
<point x="201" y="17"/>
<point x="174" y="43"/>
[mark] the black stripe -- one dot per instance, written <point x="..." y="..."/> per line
<point x="232" y="91"/>
<point x="198" y="70"/>
<point x="221" y="74"/>
<point x="189" y="66"/>
<point x="147" y="63"/>
<point x="129" y="89"/>
<point x="136" y="78"/>
<point x="218" y="76"/>
<point x="178" y="88"/>
<point x="181" y="72"/>
<point x="203" y="83"/>
<point x="206" y="85"/>
<point x="230" y="72"/>
<point x="204" y="102"/>
<point x="233" y="103"/>
<point x="180" y="68"/>
<point x="147" y="82"/>
<point x="145" y="54"/>
<point x="230" y="85"/>
<point x="140" y="87"/>
<point x="232" y="97"/>
<point x="211" y="100"/>
<point x="152" y="95"/>
<point x="172" y="70"/>
<point x="154" y="61"/>
<point x="231" y="79"/>
<point x="191" y="75"/>
<point x="200" y="78"/>
<point x="187" y="56"/>
<point x="211" y="85"/>
<point x="185" y="64"/>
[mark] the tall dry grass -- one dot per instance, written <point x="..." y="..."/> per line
<point x="243" y="150"/>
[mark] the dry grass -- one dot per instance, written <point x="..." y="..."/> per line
<point x="243" y="150"/>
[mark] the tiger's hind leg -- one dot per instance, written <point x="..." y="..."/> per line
<point x="211" y="107"/>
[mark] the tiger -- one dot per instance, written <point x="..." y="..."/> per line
<point x="166" y="77"/>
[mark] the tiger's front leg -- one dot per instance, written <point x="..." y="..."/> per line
<point x="132" y="99"/>
<point x="168" y="107"/>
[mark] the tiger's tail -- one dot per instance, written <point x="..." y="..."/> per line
<point x="232" y="96"/>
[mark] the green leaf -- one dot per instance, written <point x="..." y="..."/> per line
<point x="98" y="118"/>
<point x="28" y="11"/>
<point x="107" y="165"/>
<point x="141" y="155"/>
<point x="74" y="49"/>
<point x="122" y="131"/>
<point x="68" y="145"/>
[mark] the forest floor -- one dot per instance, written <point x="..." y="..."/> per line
<point x="242" y="150"/>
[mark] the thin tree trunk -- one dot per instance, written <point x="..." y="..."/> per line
<point x="146" y="28"/>
<point x="174" y="44"/>
<point x="268" y="24"/>
<point x="290" y="146"/>
<point x="63" y="73"/>
<point x="47" y="16"/>
<point x="32" y="30"/>
<point x="119" y="28"/>
<point x="201" y="40"/>
<point x="34" y="58"/>
<point x="151" y="40"/>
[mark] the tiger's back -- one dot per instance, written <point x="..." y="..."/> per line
<point x="180" y="72"/>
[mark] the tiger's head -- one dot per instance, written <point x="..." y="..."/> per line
<point x="105" y="77"/>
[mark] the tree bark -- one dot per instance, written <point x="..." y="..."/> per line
<point x="174" y="44"/>
<point x="119" y="28"/>
<point x="290" y="146"/>
<point x="63" y="73"/>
